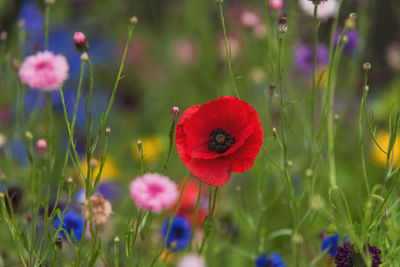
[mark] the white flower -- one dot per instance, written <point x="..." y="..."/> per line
<point x="191" y="260"/>
<point x="326" y="9"/>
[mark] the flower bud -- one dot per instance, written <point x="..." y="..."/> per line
<point x="3" y="140"/>
<point x="16" y="64"/>
<point x="134" y="20"/>
<point x="3" y="36"/>
<point x="2" y="176"/>
<point x="175" y="114"/>
<point x="116" y="239"/>
<point x="276" y="4"/>
<point x="80" y="42"/>
<point x="50" y="2"/>
<point x="59" y="243"/>
<point x="366" y="66"/>
<point x="282" y="26"/>
<point x="108" y="130"/>
<point x="41" y="146"/>
<point x="84" y="56"/>
<point x="93" y="163"/>
<point x="28" y="135"/>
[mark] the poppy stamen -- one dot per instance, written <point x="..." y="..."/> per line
<point x="220" y="141"/>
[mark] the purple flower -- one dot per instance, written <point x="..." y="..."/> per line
<point x="347" y="257"/>
<point x="353" y="39"/>
<point x="304" y="57"/>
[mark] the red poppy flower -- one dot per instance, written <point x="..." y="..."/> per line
<point x="219" y="137"/>
<point x="189" y="201"/>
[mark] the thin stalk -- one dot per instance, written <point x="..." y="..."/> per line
<point x="195" y="216"/>
<point x="121" y="67"/>
<point x="314" y="89"/>
<point x="211" y="209"/>
<point x="171" y="143"/>
<point x="360" y="127"/>
<point x="164" y="244"/>
<point x="228" y="50"/>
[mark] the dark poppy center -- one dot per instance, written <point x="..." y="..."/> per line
<point x="220" y="140"/>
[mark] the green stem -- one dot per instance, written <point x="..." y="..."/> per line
<point x="164" y="244"/>
<point x="195" y="215"/>
<point x="171" y="143"/>
<point x="228" y="50"/>
<point x="121" y="67"/>
<point x="360" y="127"/>
<point x="314" y="89"/>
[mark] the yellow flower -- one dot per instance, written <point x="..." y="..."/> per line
<point x="382" y="137"/>
<point x="110" y="169"/>
<point x="152" y="148"/>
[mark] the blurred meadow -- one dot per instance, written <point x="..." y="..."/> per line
<point x="328" y="163"/>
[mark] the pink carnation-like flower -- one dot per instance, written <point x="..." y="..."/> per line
<point x="44" y="70"/>
<point x="276" y="4"/>
<point x="326" y="9"/>
<point x="153" y="192"/>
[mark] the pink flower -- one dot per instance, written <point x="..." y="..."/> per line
<point x="276" y="4"/>
<point x="44" y="70"/>
<point x="41" y="145"/>
<point x="79" y="37"/>
<point x="153" y="192"/>
<point x="80" y="42"/>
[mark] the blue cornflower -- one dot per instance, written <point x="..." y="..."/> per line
<point x="180" y="233"/>
<point x="33" y="17"/>
<point x="353" y="39"/>
<point x="330" y="243"/>
<point x="72" y="222"/>
<point x="274" y="261"/>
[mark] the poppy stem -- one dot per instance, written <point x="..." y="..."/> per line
<point x="171" y="142"/>
<point x="164" y="244"/>
<point x="228" y="50"/>
<point x="195" y="215"/>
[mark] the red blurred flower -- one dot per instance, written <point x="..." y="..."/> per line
<point x="219" y="137"/>
<point x="189" y="201"/>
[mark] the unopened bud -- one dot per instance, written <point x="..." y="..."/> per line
<point x="108" y="130"/>
<point x="3" y="36"/>
<point x="345" y="39"/>
<point x="273" y="130"/>
<point x="272" y="86"/>
<point x="175" y="114"/>
<point x="16" y="64"/>
<point x="219" y="1"/>
<point x="2" y="176"/>
<point x="134" y="20"/>
<point x="297" y="238"/>
<point x="3" y="140"/>
<point x="93" y="163"/>
<point x="84" y="56"/>
<point x="80" y="42"/>
<point x="316" y="202"/>
<point x="336" y="117"/>
<point x="366" y="88"/>
<point x="41" y="146"/>
<point x="282" y="26"/>
<point x="50" y="2"/>
<point x="366" y="66"/>
<point x="139" y="142"/>
<point x="309" y="173"/>
<point x="59" y="243"/>
<point x="353" y="16"/>
<point x="70" y="180"/>
<point x="290" y="163"/>
<point x="28" y="135"/>
<point x="116" y="239"/>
